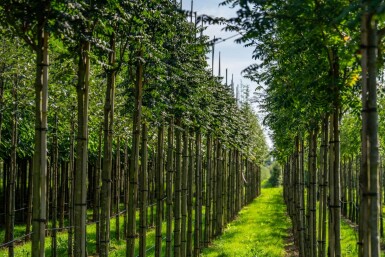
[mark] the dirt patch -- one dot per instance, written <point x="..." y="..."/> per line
<point x="290" y="248"/>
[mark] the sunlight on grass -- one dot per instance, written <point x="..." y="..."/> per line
<point x="260" y="229"/>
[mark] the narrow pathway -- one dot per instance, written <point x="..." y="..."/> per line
<point x="260" y="230"/>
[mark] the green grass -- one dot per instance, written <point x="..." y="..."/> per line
<point x="349" y="238"/>
<point x="259" y="230"/>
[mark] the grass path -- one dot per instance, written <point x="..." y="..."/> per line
<point x="259" y="230"/>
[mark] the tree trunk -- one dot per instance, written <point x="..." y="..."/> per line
<point x="323" y="188"/>
<point x="177" y="189"/>
<point x="40" y="139"/>
<point x="208" y="191"/>
<point x="370" y="178"/>
<point x="134" y="167"/>
<point x="219" y="223"/>
<point x="190" y="199"/>
<point x="117" y="191"/>
<point x="71" y="187"/>
<point x="29" y="205"/>
<point x="185" y="181"/>
<point x="108" y="127"/>
<point x="97" y="197"/>
<point x="159" y="192"/>
<point x="143" y="194"/>
<point x="55" y="166"/>
<point x="12" y="175"/>
<point x="80" y="190"/>
<point x="170" y="171"/>
<point x="198" y="192"/>
<point x="312" y="192"/>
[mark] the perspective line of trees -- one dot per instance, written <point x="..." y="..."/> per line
<point x="320" y="67"/>
<point x="108" y="109"/>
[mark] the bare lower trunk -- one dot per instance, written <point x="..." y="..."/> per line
<point x="40" y="150"/>
<point x="108" y="126"/>
<point x="134" y="167"/>
<point x="159" y="192"/>
<point x="143" y="194"/>
<point x="198" y="192"/>
<point x="169" y="177"/>
<point x="177" y="189"/>
<point x="370" y="182"/>
<point x="80" y="190"/>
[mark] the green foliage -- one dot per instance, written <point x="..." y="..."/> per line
<point x="176" y="81"/>
<point x="275" y="178"/>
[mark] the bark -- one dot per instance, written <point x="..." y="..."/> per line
<point x="134" y="167"/>
<point x="370" y="178"/>
<point x="190" y="200"/>
<point x="108" y="127"/>
<point x="169" y="177"/>
<point x="55" y="167"/>
<point x="143" y="194"/>
<point x="312" y="192"/>
<point x="198" y="192"/>
<point x="159" y="192"/>
<point x="126" y="188"/>
<point x="178" y="191"/>
<point x="29" y="204"/>
<point x="208" y="191"/>
<point x="301" y="200"/>
<point x="185" y="181"/>
<point x="80" y="189"/>
<point x="40" y="138"/>
<point x="12" y="175"/>
<point x="117" y="192"/>
<point x="219" y="221"/>
<point x="323" y="188"/>
<point x="97" y="209"/>
<point x="71" y="186"/>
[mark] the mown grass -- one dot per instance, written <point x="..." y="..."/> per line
<point x="259" y="230"/>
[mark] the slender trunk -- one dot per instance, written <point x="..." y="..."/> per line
<point x="80" y="190"/>
<point x="190" y="199"/>
<point x="63" y="190"/>
<point x="323" y="188"/>
<point x="126" y="188"/>
<point x="185" y="181"/>
<point x="170" y="171"/>
<point x="208" y="191"/>
<point x="159" y="191"/>
<point x="40" y="139"/>
<point x="71" y="186"/>
<point x="301" y="199"/>
<point x="97" y="209"/>
<point x="198" y="192"/>
<point x="29" y="205"/>
<point x="219" y="189"/>
<point x="12" y="175"/>
<point x="134" y="167"/>
<point x="143" y="194"/>
<point x="117" y="192"/>
<point x="55" y="167"/>
<point x="108" y="126"/>
<point x="177" y="188"/>
<point x="312" y="193"/>
<point x="370" y="178"/>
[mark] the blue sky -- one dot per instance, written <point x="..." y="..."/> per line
<point x="234" y="57"/>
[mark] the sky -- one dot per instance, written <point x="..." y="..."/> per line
<point x="234" y="57"/>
